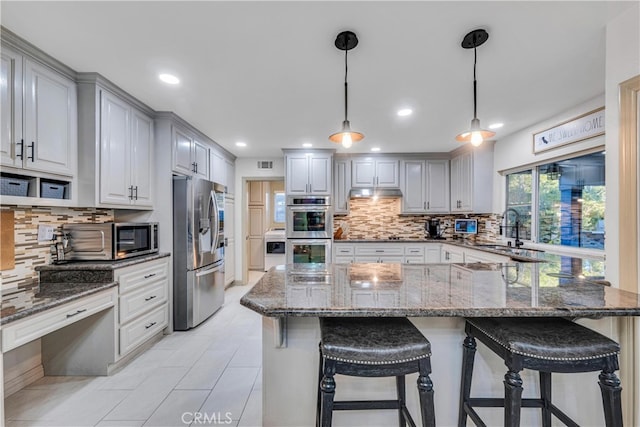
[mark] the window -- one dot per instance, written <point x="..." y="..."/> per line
<point x="278" y="207"/>
<point x="570" y="205"/>
<point x="519" y="198"/>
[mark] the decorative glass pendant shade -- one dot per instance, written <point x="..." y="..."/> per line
<point x="346" y="41"/>
<point x="475" y="135"/>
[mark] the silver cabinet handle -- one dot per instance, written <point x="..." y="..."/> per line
<point x="150" y="298"/>
<point x="76" y="313"/>
<point x="193" y="167"/>
<point x="149" y="275"/>
<point x="427" y="205"/>
<point x="130" y="192"/>
<point x="136" y="190"/>
<point x="379" y="251"/>
<point x="149" y="325"/>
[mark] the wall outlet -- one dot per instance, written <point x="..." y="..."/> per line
<point x="488" y="224"/>
<point x="45" y="232"/>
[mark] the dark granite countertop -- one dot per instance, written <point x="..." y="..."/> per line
<point x="101" y="265"/>
<point x="436" y="290"/>
<point x="45" y="296"/>
<point x="62" y="283"/>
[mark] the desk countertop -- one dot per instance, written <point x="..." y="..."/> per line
<point x="435" y="290"/>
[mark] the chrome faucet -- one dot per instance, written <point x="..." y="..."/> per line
<point x="505" y="216"/>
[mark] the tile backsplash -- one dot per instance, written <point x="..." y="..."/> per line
<point x="381" y="219"/>
<point x="29" y="253"/>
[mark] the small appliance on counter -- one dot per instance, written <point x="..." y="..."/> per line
<point x="109" y="241"/>
<point x="433" y="229"/>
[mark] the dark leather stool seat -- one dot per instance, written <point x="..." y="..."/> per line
<point x="546" y="345"/>
<point x="373" y="347"/>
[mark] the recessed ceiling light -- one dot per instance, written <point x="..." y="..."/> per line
<point x="307" y="145"/>
<point x="169" y="79"/>
<point x="241" y="144"/>
<point x="496" y="125"/>
<point x="375" y="148"/>
<point x="405" y="112"/>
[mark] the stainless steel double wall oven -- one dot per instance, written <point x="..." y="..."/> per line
<point x="309" y="229"/>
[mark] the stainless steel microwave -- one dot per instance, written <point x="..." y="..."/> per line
<point x="111" y="240"/>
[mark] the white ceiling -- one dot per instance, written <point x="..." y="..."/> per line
<point x="268" y="73"/>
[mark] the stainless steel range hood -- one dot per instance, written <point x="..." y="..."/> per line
<point x="378" y="192"/>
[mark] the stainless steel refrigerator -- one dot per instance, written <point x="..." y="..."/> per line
<point x="198" y="250"/>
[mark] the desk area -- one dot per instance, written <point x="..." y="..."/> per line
<point x="436" y="298"/>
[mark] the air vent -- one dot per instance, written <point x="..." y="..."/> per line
<point x="265" y="164"/>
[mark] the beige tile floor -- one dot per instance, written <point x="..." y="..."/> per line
<point x="212" y="371"/>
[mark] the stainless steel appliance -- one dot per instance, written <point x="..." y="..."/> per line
<point x="308" y="251"/>
<point x="309" y="217"/>
<point x="274" y="248"/>
<point x="433" y="228"/>
<point x="198" y="250"/>
<point x="110" y="240"/>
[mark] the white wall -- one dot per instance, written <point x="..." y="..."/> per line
<point x="622" y="63"/>
<point x="517" y="149"/>
<point x="247" y="169"/>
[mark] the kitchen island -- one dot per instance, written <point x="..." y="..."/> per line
<point x="436" y="297"/>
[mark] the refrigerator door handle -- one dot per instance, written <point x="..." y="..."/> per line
<point x="216" y="222"/>
<point x="209" y="271"/>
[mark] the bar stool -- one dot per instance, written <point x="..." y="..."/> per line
<point x="546" y="345"/>
<point x="373" y="347"/>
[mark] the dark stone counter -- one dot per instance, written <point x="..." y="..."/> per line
<point x="435" y="290"/>
<point x="44" y="296"/>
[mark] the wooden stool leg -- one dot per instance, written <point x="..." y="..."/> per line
<point x="611" y="400"/>
<point x="512" y="398"/>
<point x="328" y="391"/>
<point x="318" y="404"/>
<point x="545" y="395"/>
<point x="402" y="399"/>
<point x="425" y="390"/>
<point x="468" y="356"/>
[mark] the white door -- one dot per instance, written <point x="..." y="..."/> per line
<point x="201" y="159"/>
<point x="437" y="181"/>
<point x="342" y="186"/>
<point x="50" y="120"/>
<point x="297" y="179"/>
<point x="181" y="153"/>
<point x="115" y="134"/>
<point x="230" y="246"/>
<point x="320" y="175"/>
<point x="142" y="164"/>
<point x="11" y="143"/>
<point x="413" y="186"/>
<point x="231" y="177"/>
<point x="363" y="173"/>
<point x="387" y="173"/>
<point x="218" y="169"/>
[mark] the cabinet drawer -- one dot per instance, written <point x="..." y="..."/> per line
<point x="343" y="250"/>
<point x="379" y="250"/>
<point x="414" y="260"/>
<point x="343" y="260"/>
<point x="139" y="275"/>
<point x="138" y="331"/>
<point x="137" y="302"/>
<point x="30" y="328"/>
<point x="414" y="250"/>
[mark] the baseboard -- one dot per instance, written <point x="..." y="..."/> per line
<point x="126" y="359"/>
<point x="18" y="383"/>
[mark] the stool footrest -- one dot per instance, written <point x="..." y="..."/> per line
<point x="347" y="405"/>
<point x="487" y="402"/>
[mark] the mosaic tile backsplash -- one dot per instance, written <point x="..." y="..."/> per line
<point x="381" y="219"/>
<point x="29" y="252"/>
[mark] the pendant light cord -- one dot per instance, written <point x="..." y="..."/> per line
<point x="346" y="69"/>
<point x="475" y="59"/>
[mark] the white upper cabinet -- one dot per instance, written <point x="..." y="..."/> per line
<point x="342" y="186"/>
<point x="308" y="172"/>
<point x="231" y="177"/>
<point x="117" y="153"/>
<point x="126" y="154"/>
<point x="39" y="116"/>
<point x="218" y="169"/>
<point x="425" y="186"/>
<point x="190" y="157"/>
<point x="471" y="179"/>
<point x="368" y="172"/>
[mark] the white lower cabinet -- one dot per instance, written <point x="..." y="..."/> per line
<point x="452" y="254"/>
<point x="143" y="303"/>
<point x="407" y="253"/>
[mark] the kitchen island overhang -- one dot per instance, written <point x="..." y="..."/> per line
<point x="436" y="298"/>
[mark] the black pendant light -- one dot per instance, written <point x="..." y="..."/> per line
<point x="346" y="41"/>
<point x="475" y="135"/>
